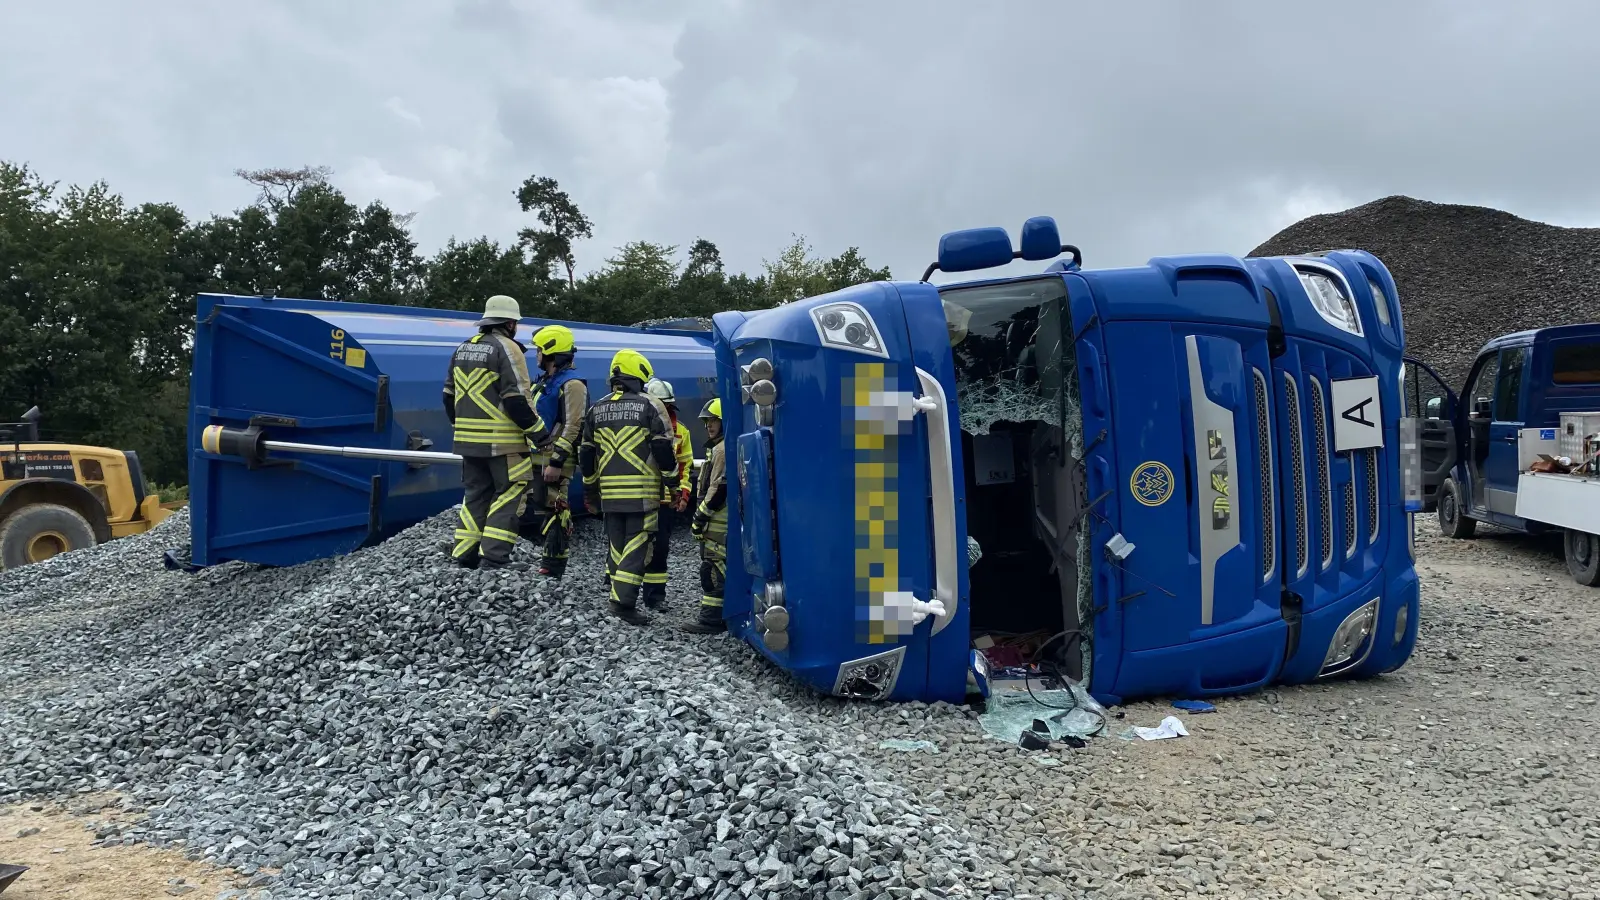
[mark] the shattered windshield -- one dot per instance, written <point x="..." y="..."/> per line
<point x="1012" y="363"/>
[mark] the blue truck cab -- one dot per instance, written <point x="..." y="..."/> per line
<point x="1188" y="473"/>
<point x="1529" y="390"/>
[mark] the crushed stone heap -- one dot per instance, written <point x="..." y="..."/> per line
<point x="1465" y="273"/>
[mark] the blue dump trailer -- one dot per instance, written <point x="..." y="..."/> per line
<point x="303" y="413"/>
<point x="1189" y="474"/>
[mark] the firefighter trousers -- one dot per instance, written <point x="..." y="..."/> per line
<point x="630" y="535"/>
<point x="547" y="521"/>
<point x="655" y="573"/>
<point x="713" y="574"/>
<point x="494" y="489"/>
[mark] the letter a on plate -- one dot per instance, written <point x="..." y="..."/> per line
<point x="1357" y="414"/>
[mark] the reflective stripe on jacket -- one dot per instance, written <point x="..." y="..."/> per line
<point x="626" y="453"/>
<point x="486" y="374"/>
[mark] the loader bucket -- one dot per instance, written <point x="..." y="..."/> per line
<point x="8" y="874"/>
<point x="357" y="375"/>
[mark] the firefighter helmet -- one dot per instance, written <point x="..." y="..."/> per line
<point x="553" y="339"/>
<point x="712" y="410"/>
<point x="500" y="308"/>
<point x="631" y="364"/>
<point x="661" y="390"/>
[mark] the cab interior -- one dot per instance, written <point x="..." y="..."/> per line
<point x="1024" y="485"/>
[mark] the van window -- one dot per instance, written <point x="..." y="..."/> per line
<point x="1508" y="393"/>
<point x="1572" y="362"/>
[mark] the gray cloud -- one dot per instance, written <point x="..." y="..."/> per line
<point x="1146" y="128"/>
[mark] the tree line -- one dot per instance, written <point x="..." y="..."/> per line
<point x="97" y="295"/>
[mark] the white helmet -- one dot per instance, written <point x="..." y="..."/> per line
<point x="500" y="308"/>
<point x="661" y="390"/>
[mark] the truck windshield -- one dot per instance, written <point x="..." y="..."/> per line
<point x="1010" y="359"/>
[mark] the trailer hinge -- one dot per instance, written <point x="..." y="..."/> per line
<point x="380" y="415"/>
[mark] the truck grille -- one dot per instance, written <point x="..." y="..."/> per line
<point x="1297" y="465"/>
<point x="1269" y="518"/>
<point x="1373" y="519"/>
<point x="1319" y="425"/>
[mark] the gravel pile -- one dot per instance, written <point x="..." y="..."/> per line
<point x="383" y="726"/>
<point x="386" y="725"/>
<point x="1465" y="273"/>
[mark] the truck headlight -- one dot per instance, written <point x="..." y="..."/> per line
<point x="1352" y="641"/>
<point x="1400" y="619"/>
<point x="848" y="326"/>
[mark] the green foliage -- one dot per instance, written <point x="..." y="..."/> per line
<point x="797" y="273"/>
<point x="563" y="223"/>
<point x="97" y="297"/>
<point x="172" y="493"/>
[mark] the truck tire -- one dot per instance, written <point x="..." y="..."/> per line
<point x="41" y="531"/>
<point x="1583" y="557"/>
<point x="1453" y="521"/>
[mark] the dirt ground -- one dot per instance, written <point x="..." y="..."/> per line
<point x="56" y="845"/>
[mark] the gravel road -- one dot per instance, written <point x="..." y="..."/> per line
<point x="383" y="726"/>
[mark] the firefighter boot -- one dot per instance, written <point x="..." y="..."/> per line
<point x="709" y="621"/>
<point x="629" y="614"/>
<point x="654" y="595"/>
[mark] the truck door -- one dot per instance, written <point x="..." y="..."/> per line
<point x="1501" y="467"/>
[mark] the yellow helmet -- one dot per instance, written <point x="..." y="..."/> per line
<point x="712" y="410"/>
<point x="631" y="364"/>
<point x="553" y="339"/>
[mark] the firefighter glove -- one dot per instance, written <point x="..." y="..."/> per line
<point x="552" y="474"/>
<point x="698" y="526"/>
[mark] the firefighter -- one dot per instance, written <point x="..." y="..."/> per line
<point x="674" y="500"/>
<point x="710" y="525"/>
<point x="559" y="398"/>
<point x="627" y="461"/>
<point x="486" y="396"/>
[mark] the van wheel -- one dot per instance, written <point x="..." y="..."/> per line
<point x="1453" y="522"/>
<point x="1583" y="557"/>
<point x="42" y="531"/>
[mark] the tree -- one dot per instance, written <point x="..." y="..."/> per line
<point x="303" y="238"/>
<point x="463" y="275"/>
<point x="797" y="273"/>
<point x="279" y="186"/>
<point x="563" y="222"/>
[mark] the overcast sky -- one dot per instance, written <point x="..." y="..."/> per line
<point x="1150" y="127"/>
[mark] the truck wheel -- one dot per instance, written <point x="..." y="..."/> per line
<point x="1453" y="521"/>
<point x="1583" y="557"/>
<point x="41" y="531"/>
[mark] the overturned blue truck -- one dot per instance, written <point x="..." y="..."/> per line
<point x="1191" y="475"/>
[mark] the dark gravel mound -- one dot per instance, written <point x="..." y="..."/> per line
<point x="1466" y="273"/>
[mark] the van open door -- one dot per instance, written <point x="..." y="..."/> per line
<point x="1433" y="404"/>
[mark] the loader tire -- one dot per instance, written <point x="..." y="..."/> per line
<point x="1583" y="556"/>
<point x="41" y="531"/>
<point x="1453" y="521"/>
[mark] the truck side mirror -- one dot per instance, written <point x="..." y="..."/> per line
<point x="1433" y="407"/>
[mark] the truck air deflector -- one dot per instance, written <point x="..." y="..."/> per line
<point x="1216" y="450"/>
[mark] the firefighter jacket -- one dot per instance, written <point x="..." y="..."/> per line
<point x="560" y="401"/>
<point x="713" y="506"/>
<point x="626" y="452"/>
<point x="486" y="397"/>
<point x="683" y="449"/>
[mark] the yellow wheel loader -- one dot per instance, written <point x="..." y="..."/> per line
<point x="60" y="497"/>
